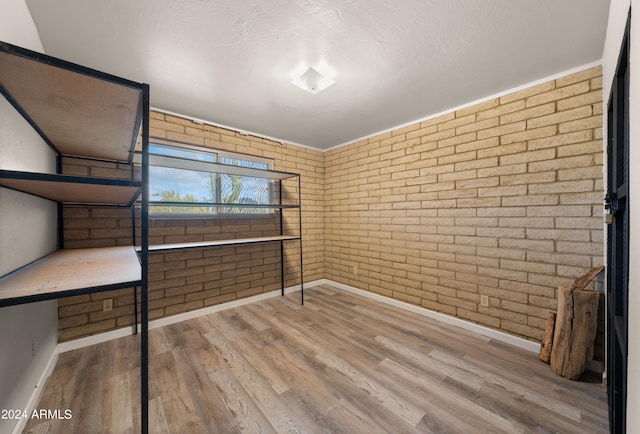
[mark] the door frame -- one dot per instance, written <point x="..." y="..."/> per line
<point x="617" y="208"/>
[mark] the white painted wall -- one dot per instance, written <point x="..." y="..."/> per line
<point x="28" y="225"/>
<point x="618" y="13"/>
<point x="28" y="335"/>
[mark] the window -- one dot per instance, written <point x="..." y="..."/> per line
<point x="185" y="182"/>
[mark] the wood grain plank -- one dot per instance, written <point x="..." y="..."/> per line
<point x="73" y="269"/>
<point x="116" y="395"/>
<point x="215" y="243"/>
<point x="265" y="398"/>
<point x="249" y="418"/>
<point x="79" y="114"/>
<point x="79" y="190"/>
<point x="340" y="363"/>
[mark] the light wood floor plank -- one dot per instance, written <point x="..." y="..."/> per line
<point x="253" y="382"/>
<point x="339" y="364"/>
<point x="248" y="417"/>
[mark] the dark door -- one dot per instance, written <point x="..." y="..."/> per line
<point x="617" y="204"/>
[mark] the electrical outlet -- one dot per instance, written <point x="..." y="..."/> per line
<point x="355" y="270"/>
<point x="107" y="305"/>
<point x="33" y="347"/>
<point x="484" y="300"/>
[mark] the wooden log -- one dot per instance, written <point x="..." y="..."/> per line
<point x="582" y="281"/>
<point x="575" y="331"/>
<point x="547" y="340"/>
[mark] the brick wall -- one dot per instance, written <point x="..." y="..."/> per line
<point x="185" y="280"/>
<point x="503" y="199"/>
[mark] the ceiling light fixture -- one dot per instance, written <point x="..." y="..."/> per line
<point x="312" y="81"/>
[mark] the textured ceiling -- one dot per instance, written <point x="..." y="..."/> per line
<point x="230" y="62"/>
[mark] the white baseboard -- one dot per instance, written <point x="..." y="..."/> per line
<point x="463" y="324"/>
<point x="592" y="365"/>
<point x="161" y="322"/>
<point x="446" y="319"/>
<point x="37" y="390"/>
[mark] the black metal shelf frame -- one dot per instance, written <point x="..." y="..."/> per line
<point x="70" y="293"/>
<point x="226" y="169"/>
<point x="141" y="124"/>
<point x="26" y="177"/>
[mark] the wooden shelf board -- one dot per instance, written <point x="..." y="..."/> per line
<point x="72" y="189"/>
<point x="81" y="115"/>
<point x="71" y="270"/>
<point x="200" y="244"/>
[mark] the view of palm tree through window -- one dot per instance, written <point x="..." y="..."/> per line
<point x="185" y="181"/>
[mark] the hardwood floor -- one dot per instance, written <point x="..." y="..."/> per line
<point x="339" y="364"/>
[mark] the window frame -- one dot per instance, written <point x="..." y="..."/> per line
<point x="182" y="163"/>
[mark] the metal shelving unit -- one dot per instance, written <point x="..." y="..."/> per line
<point x="83" y="113"/>
<point x="225" y="169"/>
